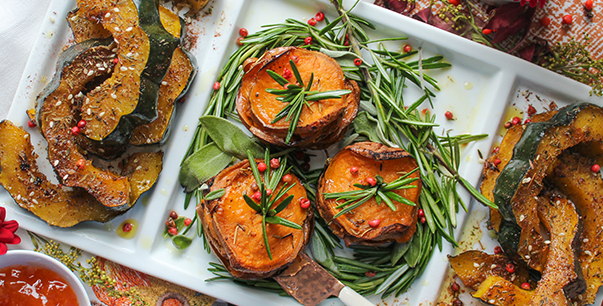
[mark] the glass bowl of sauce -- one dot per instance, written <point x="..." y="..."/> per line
<point x="29" y="278"/>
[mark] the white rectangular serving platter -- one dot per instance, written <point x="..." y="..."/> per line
<point x="479" y="89"/>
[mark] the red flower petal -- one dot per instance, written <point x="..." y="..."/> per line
<point x="2" y="214"/>
<point x="6" y="235"/>
<point x="3" y="249"/>
<point x="527" y="53"/>
<point x="397" y="5"/>
<point x="11" y="225"/>
<point x="509" y="19"/>
<point x="15" y="240"/>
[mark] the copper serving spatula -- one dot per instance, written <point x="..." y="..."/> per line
<point x="310" y="284"/>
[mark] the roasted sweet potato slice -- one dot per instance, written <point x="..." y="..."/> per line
<point x="371" y="159"/>
<point x="234" y="230"/>
<point x="321" y="124"/>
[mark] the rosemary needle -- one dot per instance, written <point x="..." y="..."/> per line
<point x="297" y="96"/>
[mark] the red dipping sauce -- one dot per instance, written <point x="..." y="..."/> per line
<point x="34" y="286"/>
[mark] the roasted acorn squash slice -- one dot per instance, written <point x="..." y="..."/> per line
<point x="562" y="277"/>
<point x="571" y="174"/>
<point x="521" y="179"/>
<point x="499" y="160"/>
<point x="499" y="291"/>
<point x="474" y="267"/>
<point x="174" y="85"/>
<point x="372" y="159"/>
<point x="58" y="206"/>
<point x="129" y="97"/>
<point x="234" y="230"/>
<point x="55" y="110"/>
<point x="319" y="126"/>
<point x="83" y="28"/>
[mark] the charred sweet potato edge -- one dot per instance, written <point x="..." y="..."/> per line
<point x="223" y="248"/>
<point x="384" y="232"/>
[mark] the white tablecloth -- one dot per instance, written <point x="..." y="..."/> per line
<point x="20" y="20"/>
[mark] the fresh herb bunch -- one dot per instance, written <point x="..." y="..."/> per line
<point x="382" y="191"/>
<point x="269" y="183"/>
<point x="297" y="96"/>
<point x="386" y="118"/>
<point x="573" y="60"/>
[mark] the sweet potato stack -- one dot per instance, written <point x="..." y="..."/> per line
<point x="319" y="126"/>
<point x="369" y="159"/>
<point x="234" y="229"/>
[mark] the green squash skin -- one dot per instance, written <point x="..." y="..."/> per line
<point x="166" y="133"/>
<point x="517" y="168"/>
<point x="162" y="48"/>
<point x="64" y="60"/>
<point x="116" y="152"/>
<point x="193" y="61"/>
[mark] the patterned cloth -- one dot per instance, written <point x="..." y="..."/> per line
<point x="556" y="32"/>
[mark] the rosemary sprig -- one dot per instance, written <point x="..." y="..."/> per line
<point x="267" y="201"/>
<point x="381" y="191"/>
<point x="390" y="120"/>
<point x="297" y="96"/>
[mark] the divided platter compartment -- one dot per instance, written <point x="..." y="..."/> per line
<point x="479" y="89"/>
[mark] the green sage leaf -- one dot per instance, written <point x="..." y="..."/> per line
<point x="413" y="255"/>
<point x="365" y="125"/>
<point x="399" y="250"/>
<point x="230" y="138"/>
<point x="321" y="253"/>
<point x="202" y="165"/>
<point x="179" y="226"/>
<point x="181" y="242"/>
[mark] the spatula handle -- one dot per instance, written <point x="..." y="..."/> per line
<point x="352" y="298"/>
